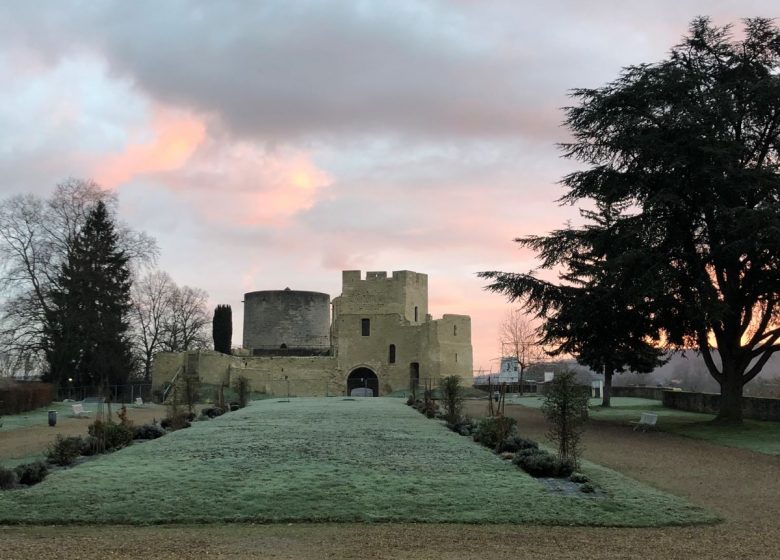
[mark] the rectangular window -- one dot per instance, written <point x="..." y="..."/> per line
<point x="391" y="354"/>
<point x="365" y="327"/>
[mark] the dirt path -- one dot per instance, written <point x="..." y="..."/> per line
<point x="742" y="486"/>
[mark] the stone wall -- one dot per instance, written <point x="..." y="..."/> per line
<point x="752" y="407"/>
<point x="654" y="393"/>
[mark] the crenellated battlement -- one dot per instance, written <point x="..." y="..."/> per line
<point x="404" y="293"/>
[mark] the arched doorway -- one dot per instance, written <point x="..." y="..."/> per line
<point x="414" y="376"/>
<point x="363" y="378"/>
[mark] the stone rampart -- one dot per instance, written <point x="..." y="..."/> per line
<point x="752" y="407"/>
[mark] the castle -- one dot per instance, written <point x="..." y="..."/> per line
<point x="375" y="338"/>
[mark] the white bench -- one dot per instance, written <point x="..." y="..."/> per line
<point x="646" y="420"/>
<point x="139" y="402"/>
<point x="78" y="410"/>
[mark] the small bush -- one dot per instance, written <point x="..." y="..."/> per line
<point x="123" y="419"/>
<point x="540" y="463"/>
<point x="90" y="445"/>
<point x="31" y="473"/>
<point x="579" y="478"/>
<point x="64" y="450"/>
<point x="148" y="431"/>
<point x="464" y="426"/>
<point x="213" y="411"/>
<point x="114" y="436"/>
<point x="410" y="400"/>
<point x="177" y="422"/>
<point x="451" y="397"/>
<point x="427" y="407"/>
<point x="491" y="431"/>
<point x="566" y="409"/>
<point x="7" y="478"/>
<point x="515" y="443"/>
<point x="587" y="488"/>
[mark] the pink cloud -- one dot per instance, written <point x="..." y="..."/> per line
<point x="173" y="138"/>
<point x="238" y="183"/>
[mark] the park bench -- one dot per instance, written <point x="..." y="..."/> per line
<point x="646" y="420"/>
<point x="78" y="410"/>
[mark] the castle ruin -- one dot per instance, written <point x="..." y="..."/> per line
<point x="377" y="335"/>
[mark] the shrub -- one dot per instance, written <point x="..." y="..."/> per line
<point x="213" y="411"/>
<point x="579" y="478"/>
<point x="587" y="488"/>
<point x="451" y="397"/>
<point x="7" y="478"/>
<point x="90" y="445"/>
<point x="540" y="463"/>
<point x="464" y="426"/>
<point x="515" y="443"/>
<point x="31" y="473"/>
<point x="148" y="431"/>
<point x="64" y="450"/>
<point x="429" y="405"/>
<point x="113" y="436"/>
<point x="123" y="419"/>
<point x="566" y="409"/>
<point x="493" y="430"/>
<point x="177" y="422"/>
<point x="410" y="400"/>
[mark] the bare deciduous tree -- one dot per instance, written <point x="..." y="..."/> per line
<point x="151" y="313"/>
<point x="519" y="340"/>
<point x="187" y="326"/>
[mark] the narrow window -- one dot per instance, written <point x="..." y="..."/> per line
<point x="456" y="357"/>
<point x="365" y="327"/>
<point x="391" y="354"/>
<point x="415" y="313"/>
<point x="454" y="330"/>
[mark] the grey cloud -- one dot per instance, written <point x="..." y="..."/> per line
<point x="285" y="70"/>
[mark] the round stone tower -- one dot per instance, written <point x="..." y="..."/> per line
<point x="286" y="321"/>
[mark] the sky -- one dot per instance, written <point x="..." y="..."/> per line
<point x="274" y="144"/>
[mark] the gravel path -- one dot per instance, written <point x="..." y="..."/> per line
<point x="742" y="486"/>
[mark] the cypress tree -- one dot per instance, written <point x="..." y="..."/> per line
<point x="222" y="328"/>
<point x="88" y="319"/>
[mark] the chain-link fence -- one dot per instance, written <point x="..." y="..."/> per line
<point x="126" y="394"/>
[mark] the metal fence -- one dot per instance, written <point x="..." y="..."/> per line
<point x="116" y="393"/>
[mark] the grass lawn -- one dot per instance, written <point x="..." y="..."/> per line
<point x="327" y="460"/>
<point x="756" y="435"/>
<point x="38" y="416"/>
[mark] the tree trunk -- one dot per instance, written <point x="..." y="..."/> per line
<point x="730" y="395"/>
<point x="521" y="381"/>
<point x="605" y="398"/>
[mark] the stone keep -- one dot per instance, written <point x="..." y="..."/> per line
<point x="381" y="338"/>
<point x="286" y="319"/>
